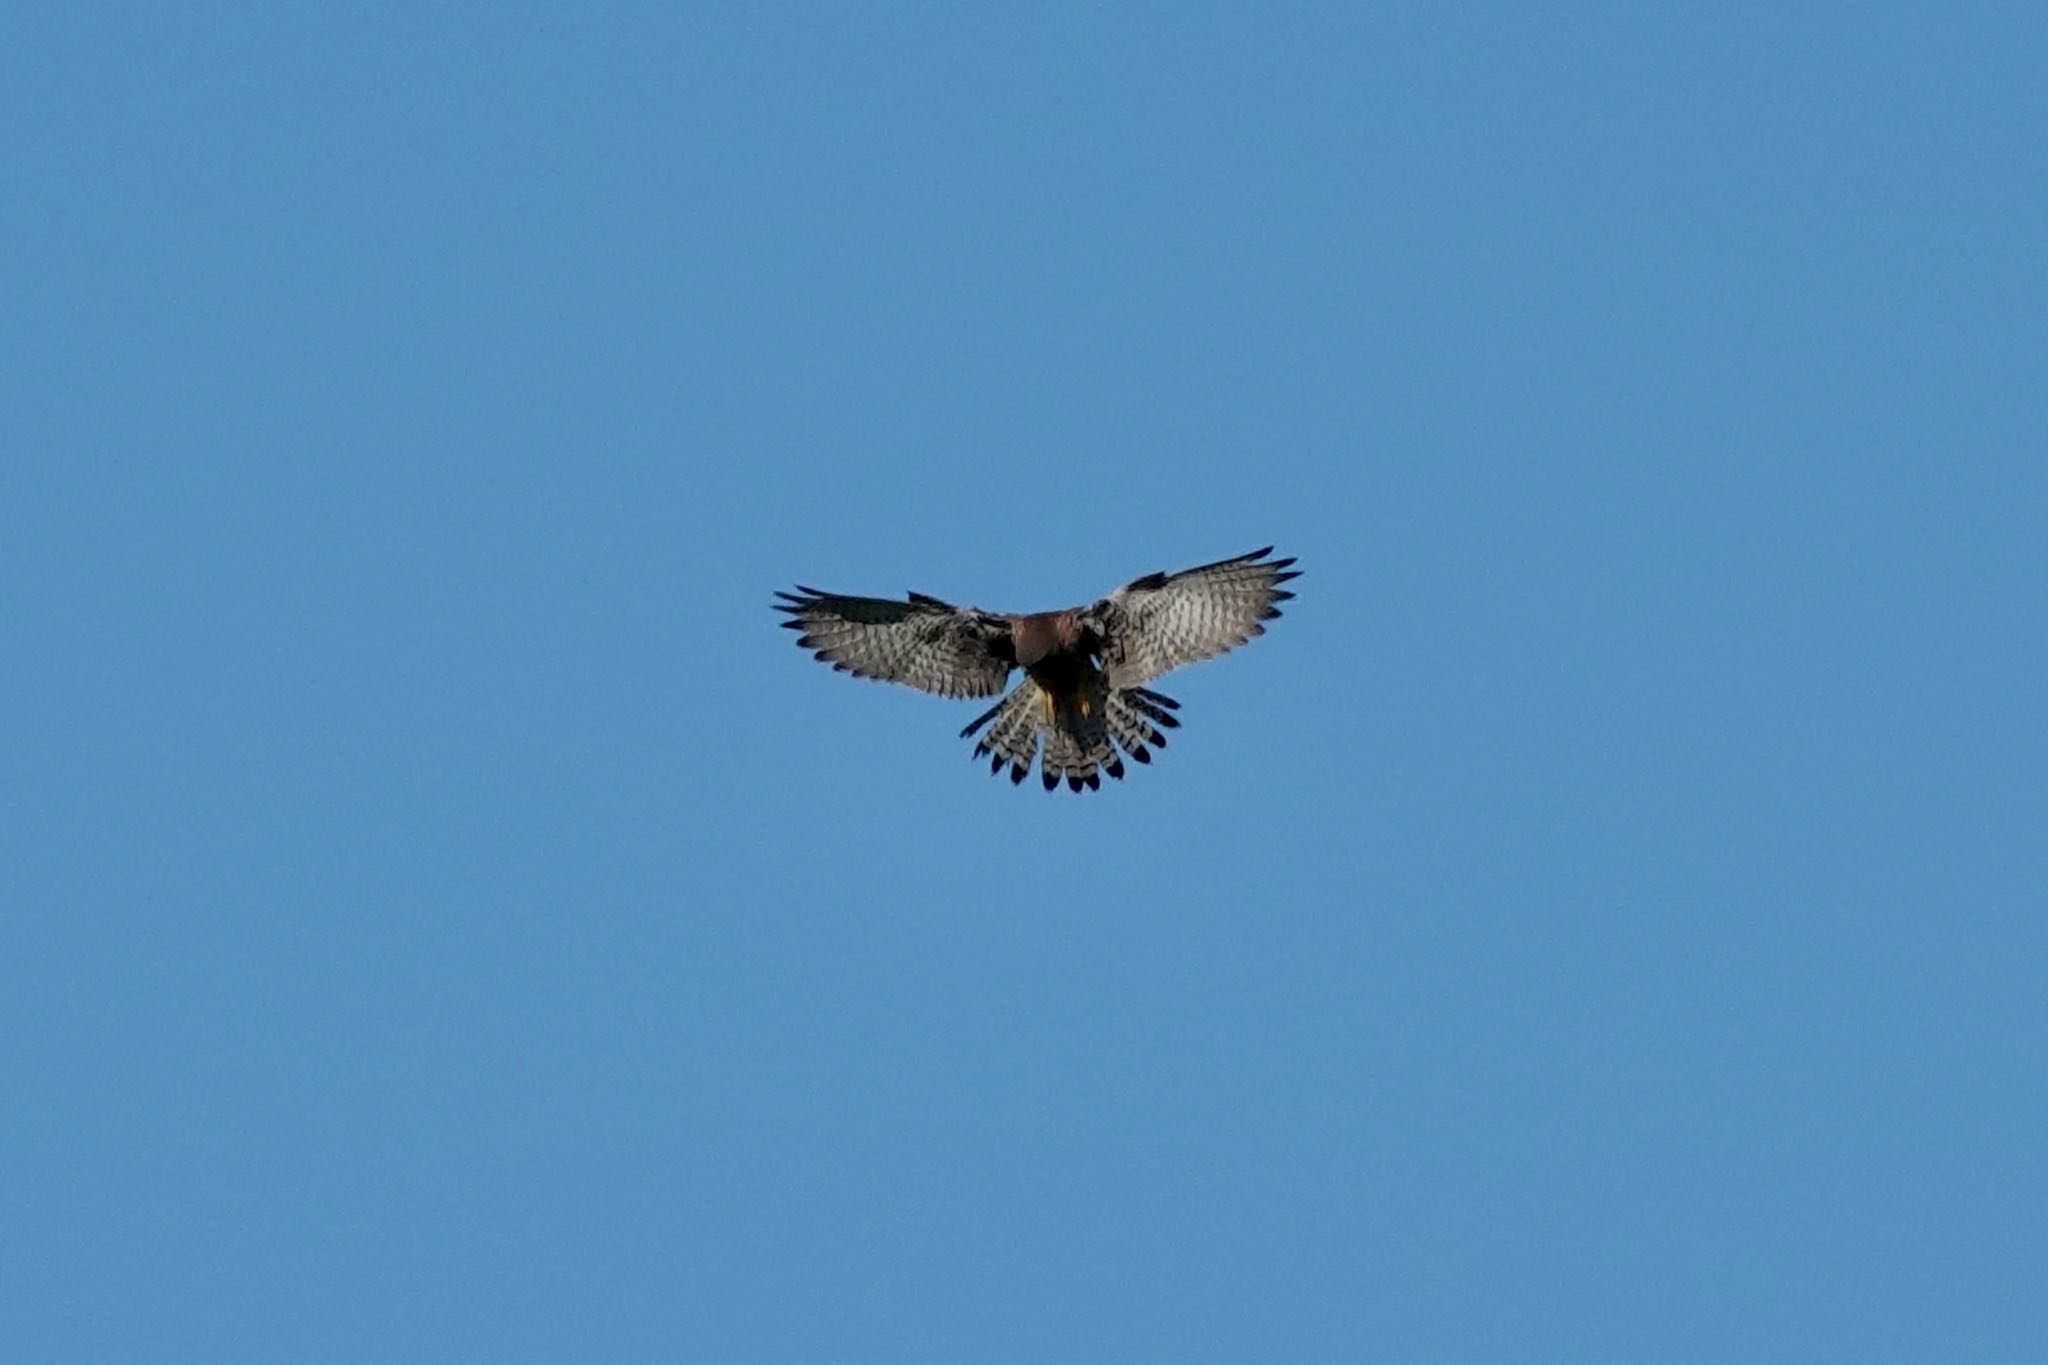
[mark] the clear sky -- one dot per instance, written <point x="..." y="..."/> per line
<point x="445" y="919"/>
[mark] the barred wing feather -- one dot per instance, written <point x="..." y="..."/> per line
<point x="921" y="642"/>
<point x="1162" y="621"/>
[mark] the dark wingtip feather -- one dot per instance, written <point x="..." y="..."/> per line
<point x="1259" y="554"/>
<point x="1051" y="779"/>
<point x="1115" y="768"/>
<point x="1094" y="781"/>
<point x="1139" y="752"/>
<point x="1073" y="782"/>
<point x="1017" y="776"/>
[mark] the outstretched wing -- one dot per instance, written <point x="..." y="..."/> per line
<point x="1161" y="621"/>
<point x="922" y="642"/>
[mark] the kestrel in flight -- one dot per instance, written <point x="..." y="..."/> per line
<point x="1083" y="695"/>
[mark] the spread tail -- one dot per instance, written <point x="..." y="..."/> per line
<point x="1075" y="737"/>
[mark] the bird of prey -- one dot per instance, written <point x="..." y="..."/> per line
<point x="1083" y="695"/>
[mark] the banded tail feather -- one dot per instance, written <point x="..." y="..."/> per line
<point x="1075" y="738"/>
<point x="1013" y="737"/>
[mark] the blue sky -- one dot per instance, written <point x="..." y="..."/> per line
<point x="446" y="920"/>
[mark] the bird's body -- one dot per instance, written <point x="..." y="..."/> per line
<point x="1052" y="651"/>
<point x="1083" y="696"/>
<point x="1045" y="635"/>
